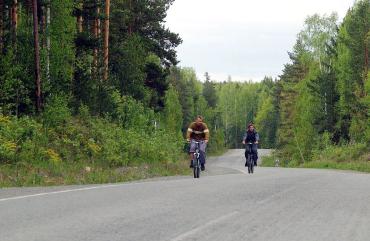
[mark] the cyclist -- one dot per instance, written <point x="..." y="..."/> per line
<point x="251" y="136"/>
<point x="198" y="131"/>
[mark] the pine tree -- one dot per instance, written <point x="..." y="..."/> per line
<point x="209" y="92"/>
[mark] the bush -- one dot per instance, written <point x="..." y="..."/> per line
<point x="29" y="155"/>
<point x="56" y="112"/>
<point x="344" y="153"/>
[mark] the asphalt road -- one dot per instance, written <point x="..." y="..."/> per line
<point x="224" y="204"/>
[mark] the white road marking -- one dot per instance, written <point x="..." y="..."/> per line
<point x="56" y="192"/>
<point x="77" y="190"/>
<point x="200" y="228"/>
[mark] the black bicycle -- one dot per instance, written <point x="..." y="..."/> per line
<point x="196" y="160"/>
<point x="249" y="158"/>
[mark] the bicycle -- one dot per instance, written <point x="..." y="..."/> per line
<point x="196" y="162"/>
<point x="249" y="158"/>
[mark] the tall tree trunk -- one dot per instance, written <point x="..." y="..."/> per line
<point x="96" y="35"/>
<point x="37" y="56"/>
<point x="14" y="21"/>
<point x="80" y="20"/>
<point x="1" y="25"/>
<point x="48" y="40"/>
<point x="106" y="40"/>
<point x="131" y="19"/>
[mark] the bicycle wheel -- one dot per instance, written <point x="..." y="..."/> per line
<point x="196" y="169"/>
<point x="250" y="164"/>
<point x="196" y="172"/>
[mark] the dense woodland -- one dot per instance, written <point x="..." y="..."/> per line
<point x="96" y="82"/>
<point x="323" y="94"/>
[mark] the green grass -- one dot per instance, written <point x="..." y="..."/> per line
<point x="355" y="157"/>
<point x="84" y="151"/>
<point x="80" y="173"/>
<point x="268" y="161"/>
<point x="354" y="166"/>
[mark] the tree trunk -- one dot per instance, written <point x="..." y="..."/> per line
<point x="14" y="21"/>
<point x="131" y="19"/>
<point x="1" y="25"/>
<point x="80" y="20"/>
<point x="37" y="56"/>
<point x="106" y="40"/>
<point x="48" y="41"/>
<point x="96" y="35"/>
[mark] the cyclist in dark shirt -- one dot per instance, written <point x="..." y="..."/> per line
<point x="251" y="136"/>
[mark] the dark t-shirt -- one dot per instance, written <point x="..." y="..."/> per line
<point x="251" y="136"/>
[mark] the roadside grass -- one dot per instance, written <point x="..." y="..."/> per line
<point x="355" y="157"/>
<point x="59" y="148"/>
<point x="82" y="173"/>
<point x="268" y="161"/>
<point x="354" y="166"/>
<point x="84" y="150"/>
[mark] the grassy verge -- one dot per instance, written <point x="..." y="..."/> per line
<point x="349" y="157"/>
<point x="84" y="150"/>
<point x="80" y="173"/>
<point x="268" y="161"/>
<point x="354" y="166"/>
<point x="354" y="157"/>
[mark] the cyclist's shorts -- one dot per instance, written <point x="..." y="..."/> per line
<point x="202" y="146"/>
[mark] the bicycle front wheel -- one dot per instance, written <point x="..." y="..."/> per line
<point x="250" y="164"/>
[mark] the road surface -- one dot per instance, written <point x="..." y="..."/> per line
<point x="225" y="204"/>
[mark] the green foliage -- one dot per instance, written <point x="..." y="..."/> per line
<point x="209" y="93"/>
<point x="266" y="120"/>
<point x="12" y="90"/>
<point x="322" y="94"/>
<point x="71" y="131"/>
<point x="352" y="70"/>
<point x="135" y="118"/>
<point x="172" y="111"/>
<point x="238" y="105"/>
<point x="83" y="142"/>
<point x="347" y="157"/>
<point x="131" y="76"/>
<point x="185" y="82"/>
<point x="268" y="161"/>
<point x="56" y="112"/>
<point x="146" y="18"/>
<point x="62" y="52"/>
<point x="131" y="113"/>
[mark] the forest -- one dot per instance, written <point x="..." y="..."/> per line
<point x="91" y="91"/>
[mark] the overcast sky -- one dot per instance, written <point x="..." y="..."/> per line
<point x="246" y="39"/>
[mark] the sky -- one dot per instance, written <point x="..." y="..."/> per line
<point x="244" y="39"/>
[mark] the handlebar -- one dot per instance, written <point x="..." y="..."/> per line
<point x="197" y="141"/>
